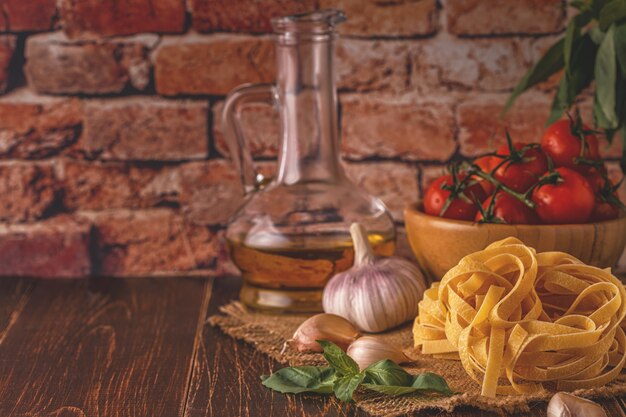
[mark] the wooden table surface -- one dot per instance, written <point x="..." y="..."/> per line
<point x="140" y="347"/>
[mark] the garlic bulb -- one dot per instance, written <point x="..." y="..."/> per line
<point x="323" y="327"/>
<point x="376" y="294"/>
<point x="367" y="350"/>
<point x="563" y="404"/>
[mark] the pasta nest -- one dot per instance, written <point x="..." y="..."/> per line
<point x="522" y="322"/>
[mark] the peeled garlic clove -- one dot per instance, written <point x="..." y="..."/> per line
<point x="376" y="294"/>
<point x="371" y="349"/>
<point x="329" y="327"/>
<point x="563" y="404"/>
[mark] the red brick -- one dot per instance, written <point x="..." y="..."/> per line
<point x="143" y="242"/>
<point x="243" y="15"/>
<point x="492" y="64"/>
<point x="94" y="185"/>
<point x="397" y="128"/>
<point x="96" y="18"/>
<point x="7" y="47"/>
<point x="146" y="128"/>
<point x="29" y="191"/>
<point x="395" y="183"/>
<point x="54" y="248"/>
<point x="34" y="126"/>
<point x="196" y="64"/>
<point x="58" y="66"/>
<point x="485" y="17"/>
<point x="386" y="18"/>
<point x="481" y="130"/>
<point x="260" y="125"/>
<point x="210" y="192"/>
<point x="364" y="65"/>
<point x="27" y="15"/>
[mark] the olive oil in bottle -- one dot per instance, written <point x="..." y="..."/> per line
<point x="291" y="278"/>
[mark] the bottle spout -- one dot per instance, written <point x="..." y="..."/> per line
<point x="319" y="22"/>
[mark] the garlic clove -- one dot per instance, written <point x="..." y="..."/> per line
<point x="367" y="350"/>
<point x="323" y="326"/>
<point x="376" y="294"/>
<point x="563" y="404"/>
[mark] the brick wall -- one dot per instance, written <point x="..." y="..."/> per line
<point x="111" y="162"/>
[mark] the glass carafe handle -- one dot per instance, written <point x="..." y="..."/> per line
<point x="233" y="133"/>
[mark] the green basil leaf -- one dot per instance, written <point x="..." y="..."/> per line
<point x="346" y="385"/>
<point x="619" y="39"/>
<point x="429" y="381"/>
<point x="597" y="36"/>
<point x="597" y="6"/>
<point x="390" y="389"/>
<point x="612" y="12"/>
<point x="599" y="118"/>
<point x="606" y="78"/>
<point x="550" y="63"/>
<point x="338" y="359"/>
<point x="297" y="379"/>
<point x="582" y="70"/>
<point x="572" y="33"/>
<point x="426" y="382"/>
<point x="581" y="5"/>
<point x="387" y="372"/>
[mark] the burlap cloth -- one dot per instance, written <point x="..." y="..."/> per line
<point x="267" y="334"/>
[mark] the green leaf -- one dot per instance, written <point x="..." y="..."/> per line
<point x="346" y="385"/>
<point x="597" y="36"/>
<point x="297" y="379"/>
<point x="581" y="5"/>
<point x="429" y="381"/>
<point x="549" y="64"/>
<point x="599" y="118"/>
<point x="597" y="6"/>
<point x="426" y="382"/>
<point x="387" y="372"/>
<point x="612" y="12"/>
<point x="390" y="389"/>
<point x="582" y="65"/>
<point x="606" y="77"/>
<point x="620" y="46"/>
<point x="572" y="33"/>
<point x="338" y="359"/>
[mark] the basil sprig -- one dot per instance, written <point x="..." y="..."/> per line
<point x="593" y="48"/>
<point x="342" y="377"/>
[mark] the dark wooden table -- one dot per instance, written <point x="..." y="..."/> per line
<point x="140" y="347"/>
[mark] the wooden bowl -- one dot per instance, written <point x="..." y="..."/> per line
<point x="440" y="243"/>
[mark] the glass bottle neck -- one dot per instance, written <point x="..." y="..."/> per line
<point x="307" y="98"/>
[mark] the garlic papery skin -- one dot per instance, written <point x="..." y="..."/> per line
<point x="376" y="294"/>
<point x="328" y="327"/>
<point x="367" y="350"/>
<point x="563" y="404"/>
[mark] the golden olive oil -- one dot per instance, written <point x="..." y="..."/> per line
<point x="291" y="278"/>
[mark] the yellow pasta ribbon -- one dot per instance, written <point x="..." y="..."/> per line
<point x="520" y="320"/>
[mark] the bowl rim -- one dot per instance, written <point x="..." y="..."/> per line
<point x="415" y="209"/>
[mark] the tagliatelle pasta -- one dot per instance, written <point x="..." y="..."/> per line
<point x="520" y="321"/>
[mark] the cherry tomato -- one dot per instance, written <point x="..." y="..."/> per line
<point x="603" y="210"/>
<point x="486" y="164"/>
<point x="595" y="176"/>
<point x="435" y="199"/>
<point x="561" y="144"/>
<point x="509" y="209"/>
<point x="569" y="201"/>
<point x="522" y="174"/>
